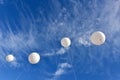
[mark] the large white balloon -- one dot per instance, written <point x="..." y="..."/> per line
<point x="98" y="38"/>
<point x="65" y="42"/>
<point x="34" y="58"/>
<point x="10" y="58"/>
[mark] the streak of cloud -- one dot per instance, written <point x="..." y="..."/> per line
<point x="61" y="70"/>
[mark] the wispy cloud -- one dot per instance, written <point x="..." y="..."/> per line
<point x="1" y="1"/>
<point x="17" y="41"/>
<point x="61" y="51"/>
<point x="14" y="64"/>
<point x="61" y="70"/>
<point x="83" y="41"/>
<point x="109" y="15"/>
<point x="64" y="65"/>
<point x="48" y="54"/>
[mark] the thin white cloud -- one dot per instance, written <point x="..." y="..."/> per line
<point x="83" y="41"/>
<point x="1" y="2"/>
<point x="61" y="51"/>
<point x="48" y="54"/>
<point x="59" y="72"/>
<point x="15" y="64"/>
<point x="65" y="65"/>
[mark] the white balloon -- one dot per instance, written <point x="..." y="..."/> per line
<point x="98" y="38"/>
<point x="65" y="42"/>
<point x="10" y="58"/>
<point x="34" y="58"/>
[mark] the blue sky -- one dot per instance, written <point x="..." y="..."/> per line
<point x="28" y="26"/>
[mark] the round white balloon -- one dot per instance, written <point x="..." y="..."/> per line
<point x="10" y="58"/>
<point x="34" y="58"/>
<point x="65" y="42"/>
<point x="98" y="38"/>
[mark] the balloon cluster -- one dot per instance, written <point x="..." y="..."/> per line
<point x="97" y="38"/>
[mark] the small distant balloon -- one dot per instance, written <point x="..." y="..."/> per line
<point x="34" y="58"/>
<point x="10" y="58"/>
<point x="98" y="38"/>
<point x="65" y="42"/>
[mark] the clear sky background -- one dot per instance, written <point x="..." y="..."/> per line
<point x="28" y="26"/>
